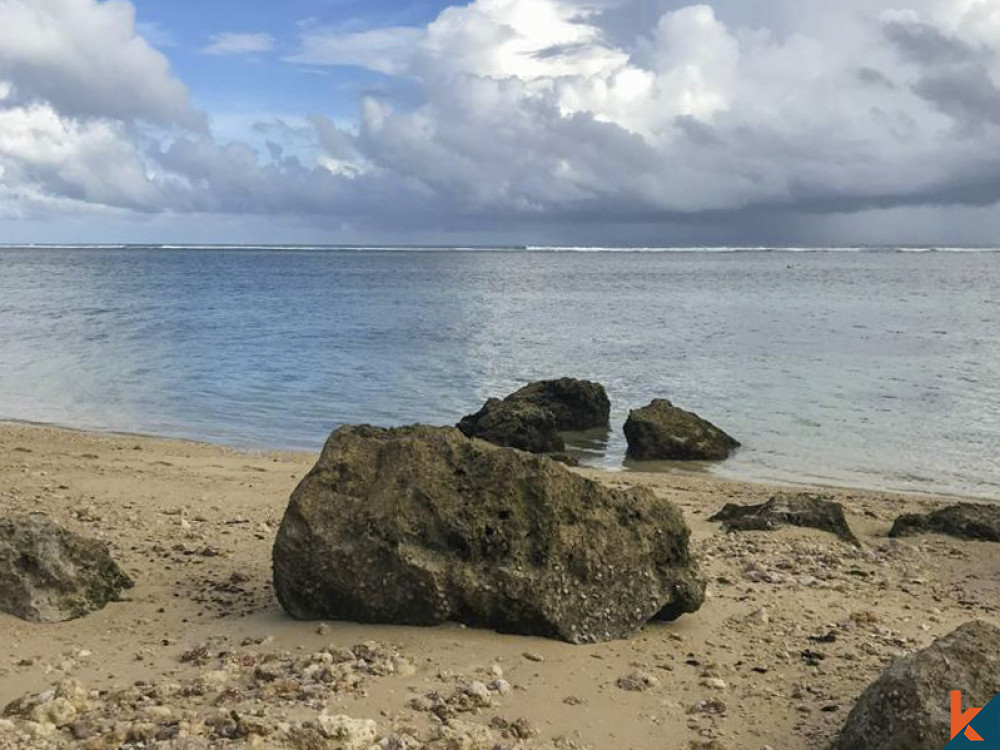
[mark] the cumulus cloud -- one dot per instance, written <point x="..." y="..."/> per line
<point x="85" y="58"/>
<point x="613" y="113"/>
<point x="693" y="115"/>
<point x="233" y="43"/>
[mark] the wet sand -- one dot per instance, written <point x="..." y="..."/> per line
<point x="796" y="625"/>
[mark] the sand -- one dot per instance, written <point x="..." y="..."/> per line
<point x="796" y="625"/>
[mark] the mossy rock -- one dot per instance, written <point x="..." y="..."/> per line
<point x="663" y="432"/>
<point x="907" y="707"/>
<point x="973" y="521"/>
<point x="802" y="509"/>
<point x="421" y="525"/>
<point x="532" y="417"/>
<point x="49" y="574"/>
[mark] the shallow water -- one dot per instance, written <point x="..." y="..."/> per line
<point x="874" y="369"/>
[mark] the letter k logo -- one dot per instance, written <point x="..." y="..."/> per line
<point x="960" y="721"/>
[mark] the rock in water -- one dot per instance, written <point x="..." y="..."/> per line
<point x="574" y="404"/>
<point x="974" y="521"/>
<point x="48" y="574"/>
<point x="908" y="707"/>
<point x="661" y="431"/>
<point x="516" y="425"/>
<point x="420" y="525"/>
<point x="532" y="417"/>
<point x="788" y="509"/>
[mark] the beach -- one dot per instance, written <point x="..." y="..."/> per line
<point x="796" y="624"/>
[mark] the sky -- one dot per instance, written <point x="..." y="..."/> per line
<point x="568" y="122"/>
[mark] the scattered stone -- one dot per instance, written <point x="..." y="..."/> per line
<point x="802" y="509"/>
<point x="468" y="696"/>
<point x="254" y="699"/>
<point x="420" y="525"/>
<point x="638" y="682"/>
<point x="48" y="574"/>
<point x="348" y="733"/>
<point x="975" y="521"/>
<point x="712" y="706"/>
<point x="661" y="431"/>
<point x="907" y="707"/>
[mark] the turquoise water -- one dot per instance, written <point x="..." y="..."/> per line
<point x="873" y="369"/>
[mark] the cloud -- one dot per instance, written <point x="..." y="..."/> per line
<point x="389" y="51"/>
<point x="85" y="58"/>
<point x="532" y="114"/>
<point x="530" y="110"/>
<point x="232" y="43"/>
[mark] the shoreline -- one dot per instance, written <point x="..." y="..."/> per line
<point x="656" y="468"/>
<point x="193" y="525"/>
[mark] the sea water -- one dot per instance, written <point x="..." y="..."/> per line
<point x="872" y="368"/>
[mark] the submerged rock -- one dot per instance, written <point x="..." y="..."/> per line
<point x="420" y="525"/>
<point x="908" y="708"/>
<point x="788" y="509"/>
<point x="975" y="521"/>
<point x="48" y="574"/>
<point x="532" y="417"/>
<point x="661" y="431"/>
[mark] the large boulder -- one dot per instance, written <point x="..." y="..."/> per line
<point x="421" y="525"/>
<point x="801" y="509"/>
<point x="976" y="521"/>
<point x="661" y="431"/>
<point x="908" y="706"/>
<point x="48" y="574"/>
<point x="532" y="417"/>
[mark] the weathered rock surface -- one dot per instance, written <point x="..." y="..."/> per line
<point x="575" y="404"/>
<point x="976" y="521"/>
<point x="420" y="525"/>
<point x="907" y="707"/>
<point x="788" y="509"/>
<point x="48" y="574"/>
<point x="532" y="417"/>
<point x="663" y="432"/>
<point x="515" y="425"/>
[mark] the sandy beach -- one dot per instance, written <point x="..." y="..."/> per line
<point x="797" y="623"/>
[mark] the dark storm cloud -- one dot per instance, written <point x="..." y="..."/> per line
<point x="925" y="44"/>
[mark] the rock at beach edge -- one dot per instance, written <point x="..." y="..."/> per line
<point x="662" y="432"/>
<point x="421" y="525"/>
<point x="531" y="417"/>
<point x="49" y="574"/>
<point x="974" y="521"/>
<point x="908" y="706"/>
<point x="802" y="509"/>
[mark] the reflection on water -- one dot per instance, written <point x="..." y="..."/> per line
<point x="868" y="369"/>
<point x="588" y="446"/>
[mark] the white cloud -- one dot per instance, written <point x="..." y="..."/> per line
<point x="85" y="58"/>
<point x="233" y="43"/>
<point x="389" y="51"/>
<point x="91" y="162"/>
<point x="556" y="112"/>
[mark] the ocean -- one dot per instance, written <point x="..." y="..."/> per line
<point x="875" y="368"/>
